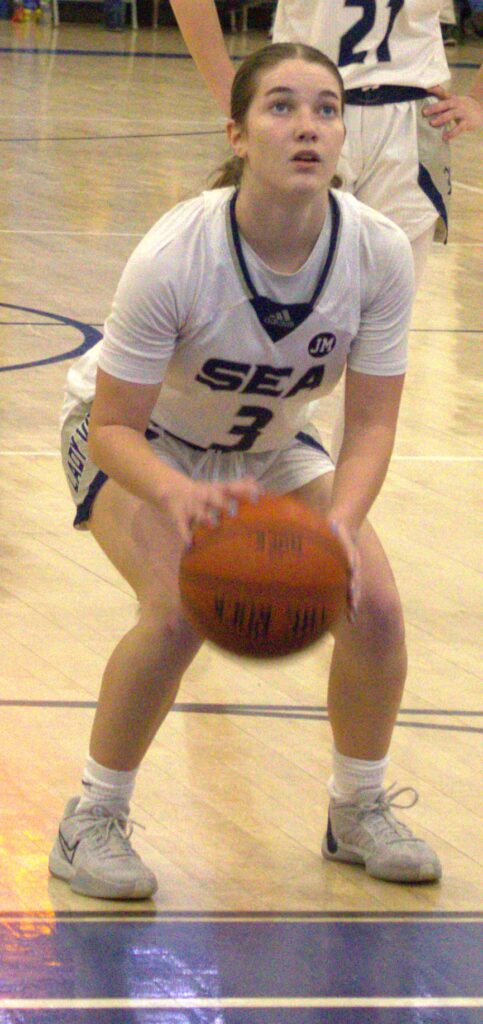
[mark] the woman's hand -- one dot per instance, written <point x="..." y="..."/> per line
<point x="192" y="503"/>
<point x="349" y="544"/>
<point x="459" y="113"/>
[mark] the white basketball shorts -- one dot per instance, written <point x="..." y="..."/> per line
<point x="281" y="471"/>
<point x="395" y="162"/>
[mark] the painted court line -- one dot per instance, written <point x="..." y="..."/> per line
<point x="437" y="458"/>
<point x="42" y="231"/>
<point x="159" y="54"/>
<point x="51" y="918"/>
<point x="467" y="188"/>
<point x="395" y="458"/>
<point x="253" y="712"/>
<point x="140" y="234"/>
<point x="244" y="1003"/>
<point x="20" y="454"/>
<point x="112" y="138"/>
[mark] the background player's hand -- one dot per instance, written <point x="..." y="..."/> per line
<point x="200" y="502"/>
<point x="350" y="547"/>
<point x="460" y="113"/>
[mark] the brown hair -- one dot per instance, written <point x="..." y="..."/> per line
<point x="245" y="86"/>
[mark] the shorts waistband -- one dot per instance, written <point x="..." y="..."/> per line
<point x="384" y="94"/>
<point x="189" y="444"/>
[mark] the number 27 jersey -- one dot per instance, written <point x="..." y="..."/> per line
<point x="374" y="42"/>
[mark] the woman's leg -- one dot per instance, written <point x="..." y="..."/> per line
<point x="143" y="674"/>
<point x="92" y="851"/>
<point x="368" y="667"/>
<point x="366" y="681"/>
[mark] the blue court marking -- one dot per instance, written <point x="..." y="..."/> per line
<point x="438" y="330"/>
<point x="301" y="713"/>
<point x="66" y="52"/>
<point x="280" y="1015"/>
<point x="96" y="138"/>
<point x="174" y="964"/>
<point x="37" y="323"/>
<point x="158" y="55"/>
<point x="89" y="333"/>
<point x="239" y="915"/>
<point x="40" y="323"/>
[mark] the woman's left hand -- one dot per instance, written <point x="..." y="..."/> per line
<point x="460" y="113"/>
<point x="349" y="545"/>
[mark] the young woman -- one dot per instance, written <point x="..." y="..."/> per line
<point x="238" y="311"/>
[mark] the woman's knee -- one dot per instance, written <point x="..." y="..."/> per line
<point x="380" y="617"/>
<point x="163" y="617"/>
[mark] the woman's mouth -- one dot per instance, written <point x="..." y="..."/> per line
<point x="306" y="156"/>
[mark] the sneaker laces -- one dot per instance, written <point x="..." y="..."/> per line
<point x="111" y="833"/>
<point x="382" y="818"/>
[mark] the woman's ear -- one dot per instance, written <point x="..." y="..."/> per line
<point x="235" y="135"/>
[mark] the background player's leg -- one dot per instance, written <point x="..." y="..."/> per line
<point x="421" y="247"/>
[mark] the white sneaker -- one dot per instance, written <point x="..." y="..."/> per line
<point x="93" y="853"/>
<point x="370" y="834"/>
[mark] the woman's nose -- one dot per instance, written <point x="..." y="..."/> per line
<point x="306" y="126"/>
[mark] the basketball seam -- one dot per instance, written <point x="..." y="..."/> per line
<point x="211" y="579"/>
<point x="208" y="545"/>
<point x="231" y="529"/>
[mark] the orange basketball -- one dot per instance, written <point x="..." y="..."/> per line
<point x="268" y="581"/>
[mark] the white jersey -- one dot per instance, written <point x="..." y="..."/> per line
<point x="244" y="353"/>
<point x="381" y="42"/>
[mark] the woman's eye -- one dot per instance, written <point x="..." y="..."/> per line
<point x="280" y="106"/>
<point x="328" y="111"/>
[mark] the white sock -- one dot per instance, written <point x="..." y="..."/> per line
<point x="355" y="779"/>
<point x="106" y="787"/>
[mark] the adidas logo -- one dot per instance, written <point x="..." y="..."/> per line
<point x="281" y="318"/>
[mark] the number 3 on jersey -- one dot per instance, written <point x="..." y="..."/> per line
<point x="257" y="417"/>
<point x="361" y="29"/>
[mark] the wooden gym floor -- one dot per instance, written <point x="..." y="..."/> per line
<point x="99" y="136"/>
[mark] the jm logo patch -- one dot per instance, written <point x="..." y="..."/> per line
<point x="321" y="345"/>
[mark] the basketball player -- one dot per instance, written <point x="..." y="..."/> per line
<point x="391" y="57"/>
<point x="235" y="315"/>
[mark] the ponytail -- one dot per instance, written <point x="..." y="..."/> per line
<point x="230" y="173"/>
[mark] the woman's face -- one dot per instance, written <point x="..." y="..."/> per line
<point x="293" y="132"/>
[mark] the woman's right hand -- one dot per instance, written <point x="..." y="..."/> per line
<point x="349" y="543"/>
<point x="193" y="503"/>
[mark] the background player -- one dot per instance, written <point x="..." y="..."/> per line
<point x="201" y="397"/>
<point x="390" y="57"/>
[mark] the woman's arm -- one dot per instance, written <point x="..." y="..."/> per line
<point x="119" y="417"/>
<point x="371" y="413"/>
<point x="201" y="30"/>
